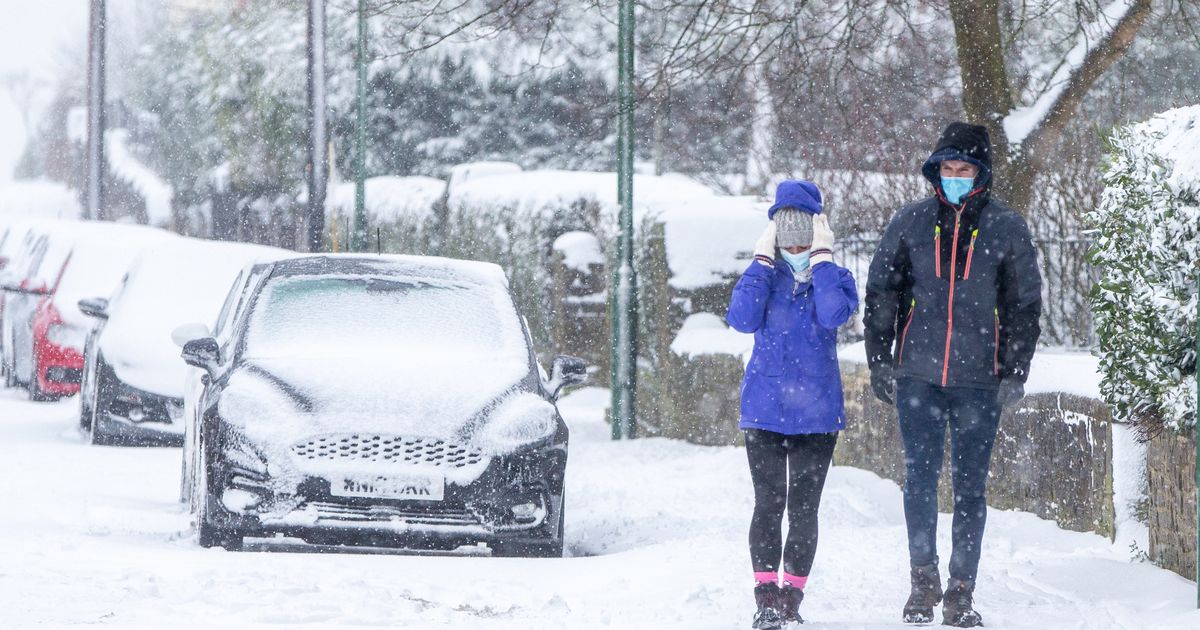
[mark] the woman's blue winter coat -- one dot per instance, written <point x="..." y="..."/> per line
<point x="792" y="383"/>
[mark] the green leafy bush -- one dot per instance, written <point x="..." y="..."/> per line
<point x="1147" y="247"/>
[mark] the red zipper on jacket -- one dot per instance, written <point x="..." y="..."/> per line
<point x="904" y="335"/>
<point x="971" y="253"/>
<point x="950" y="313"/>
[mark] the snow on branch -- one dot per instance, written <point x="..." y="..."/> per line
<point x="1098" y="46"/>
<point x="126" y="167"/>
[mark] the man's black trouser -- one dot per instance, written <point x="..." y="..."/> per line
<point x="787" y="471"/>
<point x="973" y="416"/>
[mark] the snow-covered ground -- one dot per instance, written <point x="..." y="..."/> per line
<point x="656" y="533"/>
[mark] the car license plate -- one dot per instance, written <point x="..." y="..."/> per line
<point x="407" y="488"/>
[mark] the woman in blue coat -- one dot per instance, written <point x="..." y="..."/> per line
<point x="792" y="406"/>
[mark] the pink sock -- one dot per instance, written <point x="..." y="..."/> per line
<point x="795" y="581"/>
<point x="765" y="577"/>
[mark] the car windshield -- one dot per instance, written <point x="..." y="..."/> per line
<point x="399" y="320"/>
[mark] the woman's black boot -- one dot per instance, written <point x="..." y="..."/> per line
<point x="768" y="617"/>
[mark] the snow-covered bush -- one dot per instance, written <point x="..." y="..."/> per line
<point x="1148" y="249"/>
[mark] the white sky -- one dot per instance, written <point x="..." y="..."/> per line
<point x="36" y="37"/>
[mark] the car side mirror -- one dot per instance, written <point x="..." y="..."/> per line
<point x="94" y="307"/>
<point x="565" y="372"/>
<point x="188" y="332"/>
<point x="25" y="288"/>
<point x="203" y="353"/>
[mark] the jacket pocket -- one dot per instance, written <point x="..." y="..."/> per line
<point x="767" y="359"/>
<point x="971" y="253"/>
<point x="904" y="335"/>
<point x="996" y="342"/>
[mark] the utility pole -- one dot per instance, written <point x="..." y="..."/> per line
<point x="1196" y="434"/>
<point x="318" y="164"/>
<point x="623" y="304"/>
<point x="359" y="240"/>
<point x="95" y="168"/>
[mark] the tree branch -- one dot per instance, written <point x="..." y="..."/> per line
<point x="1094" y="64"/>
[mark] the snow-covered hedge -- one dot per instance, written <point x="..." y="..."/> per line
<point x="1148" y="250"/>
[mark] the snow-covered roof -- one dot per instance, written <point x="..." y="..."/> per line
<point x="39" y="198"/>
<point x="389" y="198"/>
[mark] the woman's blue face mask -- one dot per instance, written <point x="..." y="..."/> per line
<point x="955" y="188"/>
<point x="799" y="262"/>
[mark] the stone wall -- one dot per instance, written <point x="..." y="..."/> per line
<point x="1171" y="467"/>
<point x="1053" y="456"/>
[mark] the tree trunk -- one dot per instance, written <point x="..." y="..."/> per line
<point x="988" y="100"/>
<point x="987" y="97"/>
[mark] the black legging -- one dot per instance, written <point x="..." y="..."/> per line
<point x="786" y="470"/>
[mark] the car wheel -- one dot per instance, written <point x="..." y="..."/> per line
<point x="212" y="534"/>
<point x="98" y="435"/>
<point x="85" y="412"/>
<point x="35" y="393"/>
<point x="552" y="548"/>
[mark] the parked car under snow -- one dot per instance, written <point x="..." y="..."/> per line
<point x="133" y="380"/>
<point x="386" y="400"/>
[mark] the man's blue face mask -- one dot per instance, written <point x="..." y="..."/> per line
<point x="956" y="187"/>
<point x="799" y="262"/>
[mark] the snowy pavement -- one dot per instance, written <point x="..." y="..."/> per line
<point x="656" y="530"/>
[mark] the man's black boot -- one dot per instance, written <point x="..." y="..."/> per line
<point x="926" y="593"/>
<point x="768" y="616"/>
<point x="957" y="610"/>
<point x="789" y="604"/>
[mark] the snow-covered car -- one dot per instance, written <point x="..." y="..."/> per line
<point x="15" y="253"/>
<point x="385" y="400"/>
<point x="133" y="380"/>
<point x="44" y="329"/>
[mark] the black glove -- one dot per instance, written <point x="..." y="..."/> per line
<point x="883" y="383"/>
<point x="1011" y="392"/>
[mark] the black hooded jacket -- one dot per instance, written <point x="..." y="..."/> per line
<point x="954" y="292"/>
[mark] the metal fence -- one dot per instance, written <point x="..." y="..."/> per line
<point x="1067" y="280"/>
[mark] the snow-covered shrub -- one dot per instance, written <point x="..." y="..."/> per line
<point x="1148" y="249"/>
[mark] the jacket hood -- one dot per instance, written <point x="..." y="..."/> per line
<point x="961" y="141"/>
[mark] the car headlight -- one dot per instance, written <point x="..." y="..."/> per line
<point x="517" y="421"/>
<point x="66" y="335"/>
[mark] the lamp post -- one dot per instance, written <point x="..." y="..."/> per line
<point x="359" y="243"/>
<point x="94" y="180"/>
<point x="623" y="304"/>
<point x="318" y="161"/>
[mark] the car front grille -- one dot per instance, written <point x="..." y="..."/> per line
<point x="416" y="451"/>
<point x="386" y="513"/>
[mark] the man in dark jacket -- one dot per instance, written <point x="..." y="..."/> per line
<point x="952" y="306"/>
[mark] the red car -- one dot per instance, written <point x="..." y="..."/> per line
<point x="45" y="331"/>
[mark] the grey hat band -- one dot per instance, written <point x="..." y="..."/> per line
<point x="793" y="228"/>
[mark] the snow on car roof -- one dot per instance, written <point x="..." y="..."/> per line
<point x="169" y="284"/>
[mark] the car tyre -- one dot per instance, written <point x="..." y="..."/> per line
<point x="97" y="434"/>
<point x="209" y="533"/>
<point x="35" y="392"/>
<point x="543" y="549"/>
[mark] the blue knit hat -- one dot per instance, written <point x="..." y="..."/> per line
<point x="796" y="193"/>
